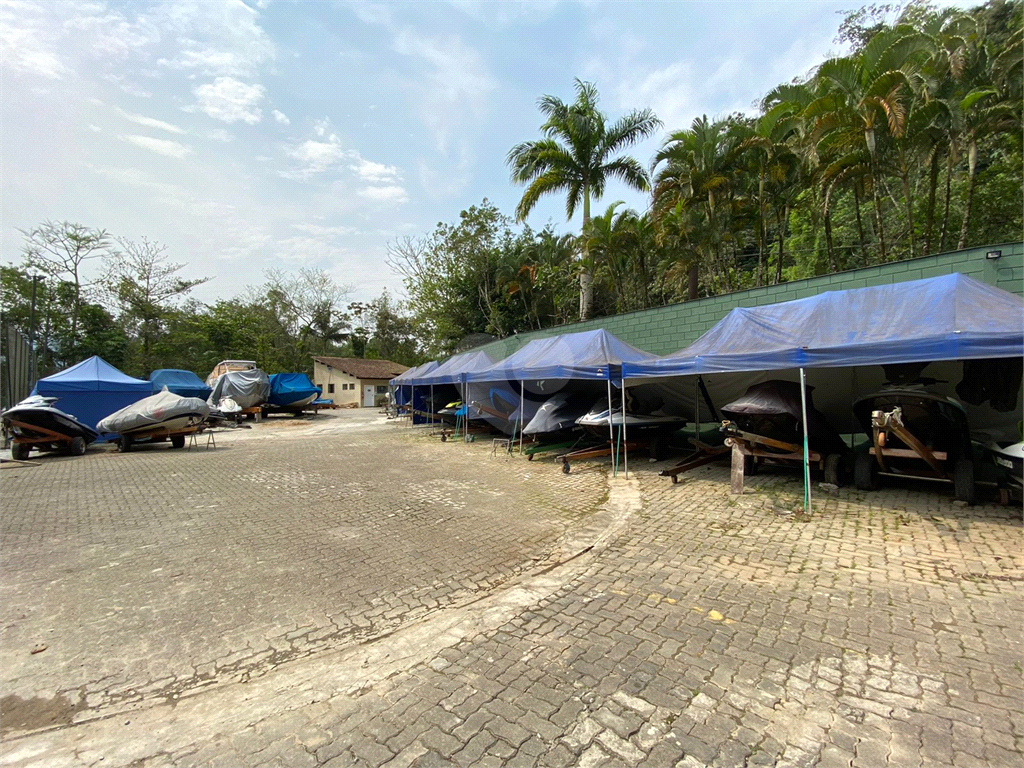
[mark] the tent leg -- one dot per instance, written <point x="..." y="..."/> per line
<point x="522" y="413"/>
<point x="625" y="437"/>
<point x="431" y="407"/>
<point x="807" y="458"/>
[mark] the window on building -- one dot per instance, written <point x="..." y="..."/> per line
<point x="382" y="389"/>
<point x="330" y="389"/>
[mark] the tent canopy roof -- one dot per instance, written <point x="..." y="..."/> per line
<point x="414" y="373"/>
<point x="451" y="370"/>
<point x="94" y="375"/>
<point x="593" y="355"/>
<point x="952" y="317"/>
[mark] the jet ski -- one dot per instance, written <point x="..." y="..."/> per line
<point x="773" y="409"/>
<point x="557" y="417"/>
<point x="155" y="418"/>
<point x="639" y="426"/>
<point x="35" y="422"/>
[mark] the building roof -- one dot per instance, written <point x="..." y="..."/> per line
<point x="364" y="369"/>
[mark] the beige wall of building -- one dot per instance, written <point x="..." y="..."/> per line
<point x="344" y="389"/>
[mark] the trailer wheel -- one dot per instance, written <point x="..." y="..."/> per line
<point x="963" y="481"/>
<point x="865" y="472"/>
<point x="124" y="445"/>
<point x="566" y="469"/>
<point x="78" y="446"/>
<point x="749" y="466"/>
<point x="20" y="451"/>
<point x="529" y="457"/>
<point x="177" y="441"/>
<point x="656" y="449"/>
<point x="833" y="469"/>
<point x="444" y="438"/>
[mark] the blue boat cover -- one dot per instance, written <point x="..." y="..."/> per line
<point x="288" y="388"/>
<point x="92" y="390"/>
<point x="952" y="317"/>
<point x="451" y="370"/>
<point x="184" y="383"/>
<point x="593" y="355"/>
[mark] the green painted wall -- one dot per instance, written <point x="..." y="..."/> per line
<point x="667" y="329"/>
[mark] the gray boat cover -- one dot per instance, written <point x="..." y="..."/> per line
<point x="151" y="411"/>
<point x="247" y="388"/>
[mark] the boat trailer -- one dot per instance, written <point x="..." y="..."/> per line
<point x="750" y="450"/>
<point x="21" y="445"/>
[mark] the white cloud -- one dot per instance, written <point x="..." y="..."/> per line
<point x="281" y="117"/>
<point x="216" y="39"/>
<point x="149" y="122"/>
<point x="457" y="85"/>
<point x="231" y="100"/>
<point x="318" y="230"/>
<point x="315" y="156"/>
<point x="374" y="173"/>
<point x="390" y="194"/>
<point x="373" y="13"/>
<point x="669" y="91"/>
<point x="220" y="134"/>
<point x="160" y="146"/>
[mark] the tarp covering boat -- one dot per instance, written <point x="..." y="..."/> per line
<point x="559" y="413"/>
<point x="163" y="412"/>
<point x="184" y="383"/>
<point x="92" y="389"/>
<point x="292" y="389"/>
<point x="952" y="317"/>
<point x="246" y="388"/>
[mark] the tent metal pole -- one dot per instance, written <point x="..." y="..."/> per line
<point x="807" y="457"/>
<point x="431" y="407"/>
<point x="522" y="413"/>
<point x="611" y="430"/>
<point x="625" y="437"/>
<point x="696" y="405"/>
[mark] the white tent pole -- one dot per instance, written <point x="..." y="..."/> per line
<point x="432" y="407"/>
<point x="522" y="413"/>
<point x="807" y="457"/>
<point x="611" y="429"/>
<point x="625" y="443"/>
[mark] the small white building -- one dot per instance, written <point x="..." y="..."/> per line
<point x="353" y="380"/>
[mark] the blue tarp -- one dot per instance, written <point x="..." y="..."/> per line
<point x="952" y="317"/>
<point x="92" y="390"/>
<point x="452" y="369"/>
<point x="184" y="383"/>
<point x="289" y="388"/>
<point x="589" y="355"/>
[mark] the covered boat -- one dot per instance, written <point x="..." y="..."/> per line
<point x="35" y="422"/>
<point x="156" y="417"/>
<point x="292" y="390"/>
<point x="557" y="417"/>
<point x="224" y="366"/>
<point x="180" y="382"/>
<point x="246" y="389"/>
<point x="773" y="409"/>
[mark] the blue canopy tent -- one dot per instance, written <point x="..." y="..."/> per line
<point x="543" y="365"/>
<point x="184" y="383"/>
<point x="403" y="388"/>
<point x="92" y="390"/>
<point x="449" y="377"/>
<point x="947" y="318"/>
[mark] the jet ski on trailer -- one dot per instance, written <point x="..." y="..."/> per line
<point x="36" y="423"/>
<point x="645" y="422"/>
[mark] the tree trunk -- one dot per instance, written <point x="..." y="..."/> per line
<point x="860" y="224"/>
<point x="908" y="200"/>
<point x="586" y="275"/>
<point x="827" y="216"/>
<point x="945" y="209"/>
<point x="692" y="281"/>
<point x="781" y="222"/>
<point x="972" y="176"/>
<point x="762" y="234"/>
<point x="933" y="183"/>
<point x="878" y="217"/>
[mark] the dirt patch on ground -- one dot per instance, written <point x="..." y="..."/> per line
<point x="18" y="714"/>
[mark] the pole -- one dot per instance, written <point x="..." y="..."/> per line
<point x="433" y="407"/>
<point x="32" y="331"/>
<point x="522" y="413"/>
<point x="807" y="458"/>
<point x="611" y="429"/>
<point x="625" y="437"/>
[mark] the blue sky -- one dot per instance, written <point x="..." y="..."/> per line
<point x="251" y="135"/>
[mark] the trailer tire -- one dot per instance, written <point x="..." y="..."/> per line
<point x="865" y="472"/>
<point x="529" y="457"/>
<point x="77" y="447"/>
<point x="566" y="469"/>
<point x="963" y="481"/>
<point x="177" y="441"/>
<point x="20" y="451"/>
<point x="834" y="469"/>
<point x="124" y="445"/>
<point x="444" y="438"/>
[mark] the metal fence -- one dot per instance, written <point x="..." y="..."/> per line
<point x="16" y="377"/>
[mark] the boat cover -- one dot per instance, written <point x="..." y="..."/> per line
<point x="184" y="383"/>
<point x="952" y="317"/>
<point x="151" y="411"/>
<point x="92" y="389"/>
<point x="452" y="369"/>
<point x="558" y="413"/>
<point x="288" y="388"/>
<point x="590" y="355"/>
<point x="247" y="388"/>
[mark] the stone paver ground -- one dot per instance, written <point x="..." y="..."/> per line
<point x="355" y="593"/>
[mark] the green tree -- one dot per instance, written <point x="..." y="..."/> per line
<point x="576" y="157"/>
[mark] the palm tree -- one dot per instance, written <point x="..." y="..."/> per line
<point x="578" y="154"/>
